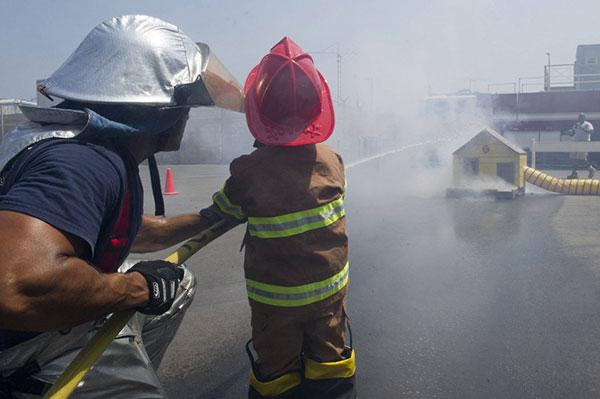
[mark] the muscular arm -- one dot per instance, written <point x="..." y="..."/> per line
<point x="159" y="232"/>
<point x="44" y="285"/>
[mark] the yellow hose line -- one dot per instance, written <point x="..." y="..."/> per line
<point x="72" y="376"/>
<point x="562" y="186"/>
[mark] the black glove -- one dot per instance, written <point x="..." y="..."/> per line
<point x="212" y="215"/>
<point x="163" y="279"/>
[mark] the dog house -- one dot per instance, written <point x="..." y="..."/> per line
<point x="486" y="155"/>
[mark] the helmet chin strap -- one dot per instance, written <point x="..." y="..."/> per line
<point x="159" y="203"/>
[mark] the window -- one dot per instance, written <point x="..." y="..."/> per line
<point x="471" y="166"/>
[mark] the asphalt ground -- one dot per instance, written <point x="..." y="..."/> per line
<point x="449" y="298"/>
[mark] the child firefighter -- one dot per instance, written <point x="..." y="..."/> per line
<point x="290" y="190"/>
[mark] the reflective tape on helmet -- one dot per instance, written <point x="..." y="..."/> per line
<point x="297" y="222"/>
<point x="300" y="295"/>
<point x="225" y="205"/>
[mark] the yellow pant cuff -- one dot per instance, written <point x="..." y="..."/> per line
<point x="314" y="370"/>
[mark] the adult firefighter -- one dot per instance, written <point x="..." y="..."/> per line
<point x="581" y="131"/>
<point x="71" y="206"/>
<point x="291" y="193"/>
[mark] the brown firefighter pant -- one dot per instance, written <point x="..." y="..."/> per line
<point x="302" y="353"/>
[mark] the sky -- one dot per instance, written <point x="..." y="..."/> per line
<point x="393" y="52"/>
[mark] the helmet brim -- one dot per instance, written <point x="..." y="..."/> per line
<point x="318" y="131"/>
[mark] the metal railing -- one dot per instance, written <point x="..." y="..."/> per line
<point x="556" y="78"/>
<point x="561" y="146"/>
<point x="559" y="76"/>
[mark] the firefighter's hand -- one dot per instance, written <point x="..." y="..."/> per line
<point x="162" y="278"/>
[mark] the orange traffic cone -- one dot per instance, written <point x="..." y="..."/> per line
<point x="169" y="184"/>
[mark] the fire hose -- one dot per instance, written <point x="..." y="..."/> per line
<point x="562" y="186"/>
<point x="76" y="371"/>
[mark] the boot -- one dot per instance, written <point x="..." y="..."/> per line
<point x="286" y="386"/>
<point x="335" y="388"/>
<point x="591" y="172"/>
<point x="332" y="380"/>
<point x="573" y="175"/>
<point x="294" y="393"/>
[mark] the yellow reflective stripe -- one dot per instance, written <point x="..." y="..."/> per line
<point x="281" y="289"/>
<point x="277" y="386"/>
<point x="296" y="215"/>
<point x="297" y="222"/>
<point x="255" y="231"/>
<point x="323" y="371"/>
<point x="225" y="205"/>
<point x="300" y="295"/>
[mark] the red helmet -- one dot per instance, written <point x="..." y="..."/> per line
<point x="287" y="100"/>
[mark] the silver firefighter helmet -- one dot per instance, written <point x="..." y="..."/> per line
<point x="141" y="60"/>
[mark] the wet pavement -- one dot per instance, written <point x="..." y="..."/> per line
<point x="471" y="298"/>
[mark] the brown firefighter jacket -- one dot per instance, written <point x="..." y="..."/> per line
<point x="296" y="244"/>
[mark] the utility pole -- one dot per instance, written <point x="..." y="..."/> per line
<point x="548" y="74"/>
<point x="338" y="58"/>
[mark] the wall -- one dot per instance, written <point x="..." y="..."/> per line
<point x="587" y="63"/>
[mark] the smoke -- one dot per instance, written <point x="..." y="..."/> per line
<point x="485" y="182"/>
<point x="414" y="146"/>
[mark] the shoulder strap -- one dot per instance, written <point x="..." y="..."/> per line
<point x="118" y="243"/>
